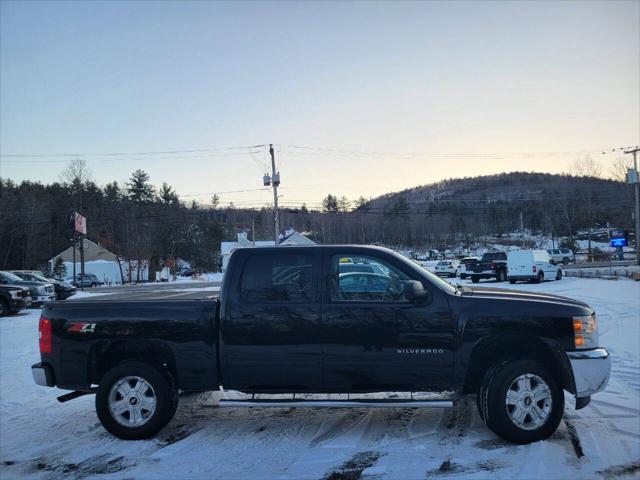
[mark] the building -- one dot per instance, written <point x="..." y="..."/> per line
<point x="102" y="263"/>
<point x="290" y="237"/>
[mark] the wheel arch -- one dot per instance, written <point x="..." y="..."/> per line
<point x="151" y="353"/>
<point x="493" y="349"/>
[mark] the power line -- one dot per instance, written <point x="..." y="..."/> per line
<point x="115" y="154"/>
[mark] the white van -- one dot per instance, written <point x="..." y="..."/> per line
<point x="531" y="265"/>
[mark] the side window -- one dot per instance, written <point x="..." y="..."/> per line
<point x="375" y="280"/>
<point x="277" y="278"/>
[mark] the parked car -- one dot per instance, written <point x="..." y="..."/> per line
<point x="40" y="292"/>
<point x="562" y="255"/>
<point x="286" y="322"/>
<point x="13" y="298"/>
<point x="464" y="264"/>
<point x="491" y="265"/>
<point x="89" y="280"/>
<point x="448" y="268"/>
<point x="62" y="289"/>
<point x="531" y="265"/>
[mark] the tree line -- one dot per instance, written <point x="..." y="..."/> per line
<point x="140" y="222"/>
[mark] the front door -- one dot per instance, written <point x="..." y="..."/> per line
<point x="374" y="339"/>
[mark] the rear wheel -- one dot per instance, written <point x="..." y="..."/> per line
<point x="501" y="276"/>
<point x="135" y="400"/>
<point x="521" y="402"/>
<point x="475" y="279"/>
<point x="4" y="307"/>
<point x="512" y="281"/>
<point x="540" y="278"/>
<point x="559" y="275"/>
<point x="565" y="260"/>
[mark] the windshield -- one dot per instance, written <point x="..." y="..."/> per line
<point x="433" y="278"/>
<point x="10" y="277"/>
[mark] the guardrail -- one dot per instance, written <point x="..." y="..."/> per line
<point x="614" y="274"/>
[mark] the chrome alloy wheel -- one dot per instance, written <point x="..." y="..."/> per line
<point x="528" y="402"/>
<point x="132" y="401"/>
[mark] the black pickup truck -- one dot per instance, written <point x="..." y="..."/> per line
<point x="289" y="321"/>
<point x="491" y="265"/>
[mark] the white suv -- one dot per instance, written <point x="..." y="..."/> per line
<point x="449" y="268"/>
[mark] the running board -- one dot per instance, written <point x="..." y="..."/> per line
<point x="290" y="403"/>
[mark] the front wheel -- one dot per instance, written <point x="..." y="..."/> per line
<point x="135" y="400"/>
<point x="475" y="279"/>
<point x="521" y="402"/>
<point x="559" y="275"/>
<point x="512" y="281"/>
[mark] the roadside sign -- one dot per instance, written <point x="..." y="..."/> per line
<point x="78" y="223"/>
<point x="618" y="238"/>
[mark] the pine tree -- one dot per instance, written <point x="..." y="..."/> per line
<point x="139" y="188"/>
<point x="167" y="195"/>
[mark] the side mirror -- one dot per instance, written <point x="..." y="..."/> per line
<point x="414" y="291"/>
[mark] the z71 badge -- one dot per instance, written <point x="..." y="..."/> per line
<point x="81" y="327"/>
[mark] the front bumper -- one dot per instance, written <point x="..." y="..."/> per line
<point x="591" y="370"/>
<point x="17" y="304"/>
<point x="43" y="374"/>
<point x="40" y="300"/>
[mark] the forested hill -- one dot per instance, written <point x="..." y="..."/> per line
<point x="506" y="188"/>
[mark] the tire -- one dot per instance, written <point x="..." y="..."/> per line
<point x="501" y="276"/>
<point x="512" y="281"/>
<point x="509" y="414"/>
<point x="559" y="275"/>
<point x="474" y="279"/>
<point x="540" y="278"/>
<point x="4" y="307"/>
<point x="93" y="285"/>
<point x="160" y="396"/>
<point x="565" y="261"/>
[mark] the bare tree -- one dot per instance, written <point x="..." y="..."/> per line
<point x="618" y="170"/>
<point x="585" y="167"/>
<point x="76" y="173"/>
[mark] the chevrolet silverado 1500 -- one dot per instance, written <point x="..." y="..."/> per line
<point x="290" y="320"/>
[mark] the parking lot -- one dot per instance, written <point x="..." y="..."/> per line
<point x="203" y="441"/>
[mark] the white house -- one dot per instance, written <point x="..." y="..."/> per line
<point x="100" y="262"/>
<point x="290" y="237"/>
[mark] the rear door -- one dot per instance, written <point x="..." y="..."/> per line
<point x="374" y="338"/>
<point x="270" y="329"/>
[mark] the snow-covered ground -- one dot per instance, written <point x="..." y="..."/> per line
<point x="41" y="438"/>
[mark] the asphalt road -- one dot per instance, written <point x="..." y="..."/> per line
<point x="153" y="291"/>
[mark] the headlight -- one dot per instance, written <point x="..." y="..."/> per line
<point x="42" y="290"/>
<point x="585" y="332"/>
<point x="15" y="294"/>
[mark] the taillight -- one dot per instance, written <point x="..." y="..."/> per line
<point x="534" y="269"/>
<point x="44" y="327"/>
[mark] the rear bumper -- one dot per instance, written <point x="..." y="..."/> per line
<point x="591" y="370"/>
<point x="43" y="374"/>
<point x="522" y="277"/>
<point x="483" y="274"/>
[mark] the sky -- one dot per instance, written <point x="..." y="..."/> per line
<point x="380" y="96"/>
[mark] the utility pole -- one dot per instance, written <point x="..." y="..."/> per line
<point x="636" y="185"/>
<point x="275" y="181"/>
